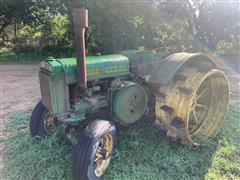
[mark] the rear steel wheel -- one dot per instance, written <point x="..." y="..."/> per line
<point x="211" y="100"/>
<point x="194" y="106"/>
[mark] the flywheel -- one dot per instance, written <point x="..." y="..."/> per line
<point x="193" y="106"/>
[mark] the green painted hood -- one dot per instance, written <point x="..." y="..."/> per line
<point x="103" y="66"/>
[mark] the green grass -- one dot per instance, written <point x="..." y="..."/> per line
<point x="31" y="57"/>
<point x="142" y="153"/>
<point x="11" y="57"/>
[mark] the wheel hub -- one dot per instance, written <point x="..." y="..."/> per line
<point x="103" y="154"/>
<point x="49" y="123"/>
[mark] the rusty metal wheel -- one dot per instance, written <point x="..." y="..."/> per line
<point x="194" y="105"/>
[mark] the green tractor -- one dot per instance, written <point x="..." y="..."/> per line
<point x="184" y="93"/>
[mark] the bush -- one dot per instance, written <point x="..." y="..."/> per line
<point x="228" y="48"/>
<point x="23" y="48"/>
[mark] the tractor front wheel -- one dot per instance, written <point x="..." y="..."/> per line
<point x="42" y="122"/>
<point x="94" y="150"/>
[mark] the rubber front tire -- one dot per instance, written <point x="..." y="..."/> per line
<point x="36" y="124"/>
<point x="85" y="153"/>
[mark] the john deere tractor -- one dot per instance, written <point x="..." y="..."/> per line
<point x="184" y="93"/>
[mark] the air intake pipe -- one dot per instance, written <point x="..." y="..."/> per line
<point x="80" y="22"/>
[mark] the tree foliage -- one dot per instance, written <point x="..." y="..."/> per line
<point x="168" y="26"/>
<point x="212" y="23"/>
<point x="11" y="11"/>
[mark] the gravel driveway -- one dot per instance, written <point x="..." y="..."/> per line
<point x="19" y="88"/>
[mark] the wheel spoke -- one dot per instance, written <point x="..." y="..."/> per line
<point x="108" y="155"/>
<point x="98" y="153"/>
<point x="201" y="94"/>
<point x="201" y="105"/>
<point x="96" y="159"/>
<point x="102" y="142"/>
<point x="195" y="116"/>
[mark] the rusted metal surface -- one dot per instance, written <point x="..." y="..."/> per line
<point x="165" y="70"/>
<point x="80" y="21"/>
<point x="45" y="90"/>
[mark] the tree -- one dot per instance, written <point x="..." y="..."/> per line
<point x="15" y="11"/>
<point x="209" y="21"/>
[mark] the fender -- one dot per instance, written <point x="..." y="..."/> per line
<point x="164" y="70"/>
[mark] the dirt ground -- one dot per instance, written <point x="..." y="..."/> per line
<point x="19" y="91"/>
<point x="19" y="88"/>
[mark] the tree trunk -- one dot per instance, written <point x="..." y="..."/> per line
<point x="15" y="30"/>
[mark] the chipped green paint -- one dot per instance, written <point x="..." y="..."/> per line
<point x="98" y="67"/>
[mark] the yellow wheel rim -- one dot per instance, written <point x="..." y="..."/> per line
<point x="199" y="106"/>
<point x="49" y="124"/>
<point x="211" y="104"/>
<point x="103" y="154"/>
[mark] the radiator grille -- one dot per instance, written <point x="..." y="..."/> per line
<point x="45" y="90"/>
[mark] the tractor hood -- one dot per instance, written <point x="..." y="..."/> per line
<point x="98" y="67"/>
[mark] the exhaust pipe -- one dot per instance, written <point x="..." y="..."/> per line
<point x="80" y="22"/>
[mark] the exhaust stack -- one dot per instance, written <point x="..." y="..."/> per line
<point x="80" y="22"/>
